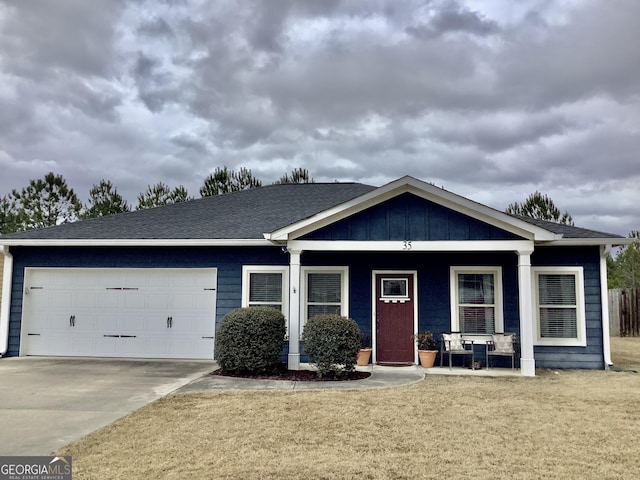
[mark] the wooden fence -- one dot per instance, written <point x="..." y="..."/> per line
<point x="624" y="312"/>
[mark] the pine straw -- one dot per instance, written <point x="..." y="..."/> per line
<point x="560" y="424"/>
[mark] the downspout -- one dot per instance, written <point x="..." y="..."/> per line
<point x="6" y="299"/>
<point x="604" y="298"/>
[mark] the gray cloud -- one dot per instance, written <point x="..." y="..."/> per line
<point x="490" y="100"/>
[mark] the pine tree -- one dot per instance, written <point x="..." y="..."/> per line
<point x="104" y="200"/>
<point x="298" y="175"/>
<point x="223" y="180"/>
<point x="541" y="207"/>
<point x="161" y="194"/>
<point x="624" y="269"/>
<point x="46" y="202"/>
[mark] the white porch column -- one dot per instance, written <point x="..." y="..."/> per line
<point x="527" y="360"/>
<point x="294" y="310"/>
<point x="604" y="298"/>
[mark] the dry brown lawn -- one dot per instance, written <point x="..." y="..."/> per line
<point x="560" y="424"/>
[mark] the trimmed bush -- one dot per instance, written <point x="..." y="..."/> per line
<point x="332" y="343"/>
<point x="250" y="340"/>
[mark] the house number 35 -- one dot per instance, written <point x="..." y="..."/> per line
<point x="406" y="245"/>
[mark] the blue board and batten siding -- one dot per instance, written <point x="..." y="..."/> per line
<point x="592" y="355"/>
<point x="409" y="217"/>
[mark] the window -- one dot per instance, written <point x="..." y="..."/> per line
<point x="265" y="286"/>
<point x="394" y="288"/>
<point x="560" y="318"/>
<point x="325" y="291"/>
<point x="476" y="300"/>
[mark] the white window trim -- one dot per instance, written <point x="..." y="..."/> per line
<point x="497" y="290"/>
<point x="581" y="340"/>
<point x="247" y="270"/>
<point x="344" y="303"/>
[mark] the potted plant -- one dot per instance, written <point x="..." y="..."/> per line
<point x="427" y="348"/>
<point x="365" y="351"/>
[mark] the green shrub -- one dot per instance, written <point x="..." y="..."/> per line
<point x="250" y="340"/>
<point x="332" y="343"/>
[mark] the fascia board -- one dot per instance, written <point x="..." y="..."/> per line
<point x="150" y="242"/>
<point x="423" y="190"/>
<point x="578" y="242"/>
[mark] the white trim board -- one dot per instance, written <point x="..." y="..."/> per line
<point x="409" y="245"/>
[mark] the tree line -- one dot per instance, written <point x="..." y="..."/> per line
<point x="50" y="201"/>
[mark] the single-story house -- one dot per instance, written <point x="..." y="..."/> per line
<point x="398" y="259"/>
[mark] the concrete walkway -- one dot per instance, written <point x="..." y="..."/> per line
<point x="380" y="377"/>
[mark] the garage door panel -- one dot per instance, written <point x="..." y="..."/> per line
<point x="86" y="300"/>
<point x="84" y="321"/>
<point x="157" y="325"/>
<point x="134" y="300"/>
<point x="183" y="301"/>
<point x="156" y="347"/>
<point x="108" y="299"/>
<point x="82" y="345"/>
<point x="129" y="347"/>
<point x="105" y="345"/>
<point x="159" y="301"/>
<point x="120" y="312"/>
<point x="61" y="300"/>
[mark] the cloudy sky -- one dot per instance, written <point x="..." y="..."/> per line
<point x="492" y="99"/>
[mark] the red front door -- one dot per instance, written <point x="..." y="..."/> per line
<point x="394" y="318"/>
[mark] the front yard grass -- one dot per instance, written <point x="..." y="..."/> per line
<point x="560" y="424"/>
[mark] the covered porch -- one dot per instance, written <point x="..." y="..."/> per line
<point x="428" y="267"/>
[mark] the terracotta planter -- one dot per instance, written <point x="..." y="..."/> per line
<point x="427" y="357"/>
<point x="363" y="357"/>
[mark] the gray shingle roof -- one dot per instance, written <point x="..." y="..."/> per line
<point x="567" y="231"/>
<point x="244" y="215"/>
<point x="241" y="215"/>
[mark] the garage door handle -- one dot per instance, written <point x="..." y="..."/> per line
<point x="169" y="322"/>
<point x="72" y="321"/>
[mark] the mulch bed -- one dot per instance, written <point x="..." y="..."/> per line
<point x="282" y="373"/>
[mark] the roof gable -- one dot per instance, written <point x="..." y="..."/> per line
<point x="408" y="216"/>
<point x="427" y="191"/>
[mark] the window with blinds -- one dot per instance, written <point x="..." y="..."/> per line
<point x="476" y="303"/>
<point x="325" y="291"/>
<point x="265" y="289"/>
<point x="265" y="286"/>
<point x="560" y="305"/>
<point x="324" y="294"/>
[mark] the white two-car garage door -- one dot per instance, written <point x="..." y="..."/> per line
<point x="117" y="312"/>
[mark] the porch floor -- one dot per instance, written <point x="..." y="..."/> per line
<point x="483" y="372"/>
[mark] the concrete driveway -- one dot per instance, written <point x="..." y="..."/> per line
<point x="46" y="403"/>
